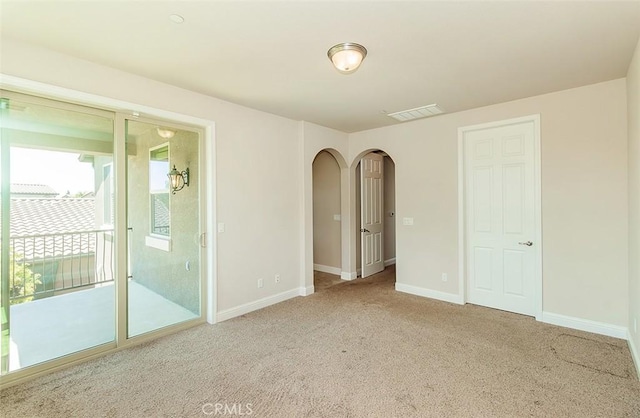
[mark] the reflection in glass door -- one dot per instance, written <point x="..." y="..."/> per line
<point x="57" y="288"/>
<point x="164" y="283"/>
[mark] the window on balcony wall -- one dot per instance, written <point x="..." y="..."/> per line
<point x="159" y="205"/>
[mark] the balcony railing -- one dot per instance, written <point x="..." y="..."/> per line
<point x="46" y="265"/>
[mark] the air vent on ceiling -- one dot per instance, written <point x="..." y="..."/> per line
<point x="417" y="113"/>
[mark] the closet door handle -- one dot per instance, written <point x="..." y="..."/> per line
<point x="364" y="230"/>
<point x="528" y="243"/>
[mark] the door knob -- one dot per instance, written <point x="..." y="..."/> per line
<point x="364" y="230"/>
<point x="528" y="243"/>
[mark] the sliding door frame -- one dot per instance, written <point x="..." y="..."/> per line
<point x="125" y="110"/>
<point x="123" y="270"/>
<point x="5" y="201"/>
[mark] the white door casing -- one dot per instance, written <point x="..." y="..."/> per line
<point x="502" y="253"/>
<point x="372" y="213"/>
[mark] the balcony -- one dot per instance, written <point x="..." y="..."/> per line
<point x="83" y="319"/>
<point x="62" y="297"/>
<point x="45" y="265"/>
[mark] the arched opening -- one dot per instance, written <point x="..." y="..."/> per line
<point x="329" y="238"/>
<point x="327" y="257"/>
<point x="386" y="215"/>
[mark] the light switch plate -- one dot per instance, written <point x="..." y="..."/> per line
<point x="336" y="217"/>
<point x="220" y="226"/>
<point x="407" y="221"/>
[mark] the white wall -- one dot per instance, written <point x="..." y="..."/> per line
<point x="258" y="186"/>
<point x="584" y="197"/>
<point x="326" y="204"/>
<point x="633" y="112"/>
<point x="266" y="201"/>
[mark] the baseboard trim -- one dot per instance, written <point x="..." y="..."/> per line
<point x="306" y="291"/>
<point x="585" y="325"/>
<point x="635" y="355"/>
<point x="428" y="293"/>
<point x="389" y="262"/>
<point x="345" y="275"/>
<point x="326" y="269"/>
<point x="259" y="304"/>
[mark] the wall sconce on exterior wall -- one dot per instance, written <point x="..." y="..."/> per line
<point x="178" y="179"/>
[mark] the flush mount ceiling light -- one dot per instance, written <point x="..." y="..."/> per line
<point x="347" y="56"/>
<point x="165" y="133"/>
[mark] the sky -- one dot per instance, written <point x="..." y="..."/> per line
<point x="60" y="170"/>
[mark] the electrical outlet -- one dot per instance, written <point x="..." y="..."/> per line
<point x="445" y="277"/>
<point x="260" y="283"/>
<point x="277" y="277"/>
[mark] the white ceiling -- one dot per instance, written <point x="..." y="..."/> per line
<point x="271" y="55"/>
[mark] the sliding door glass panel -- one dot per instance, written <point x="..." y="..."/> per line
<point x="164" y="283"/>
<point x="57" y="287"/>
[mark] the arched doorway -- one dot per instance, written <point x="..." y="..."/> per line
<point x="388" y="218"/>
<point x="327" y="256"/>
<point x="330" y="220"/>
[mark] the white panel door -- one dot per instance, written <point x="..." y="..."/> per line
<point x="500" y="219"/>
<point x="371" y="194"/>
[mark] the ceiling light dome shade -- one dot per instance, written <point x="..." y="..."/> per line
<point x="165" y="133"/>
<point x="347" y="56"/>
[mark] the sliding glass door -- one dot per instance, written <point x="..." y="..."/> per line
<point x="164" y="226"/>
<point x="57" y="283"/>
<point x="98" y="246"/>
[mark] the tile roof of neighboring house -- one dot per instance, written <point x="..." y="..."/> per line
<point x="32" y="189"/>
<point x="48" y="223"/>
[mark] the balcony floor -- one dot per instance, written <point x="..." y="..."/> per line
<point x="48" y="328"/>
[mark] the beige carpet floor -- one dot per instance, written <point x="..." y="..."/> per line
<point x="323" y="281"/>
<point x="356" y="349"/>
